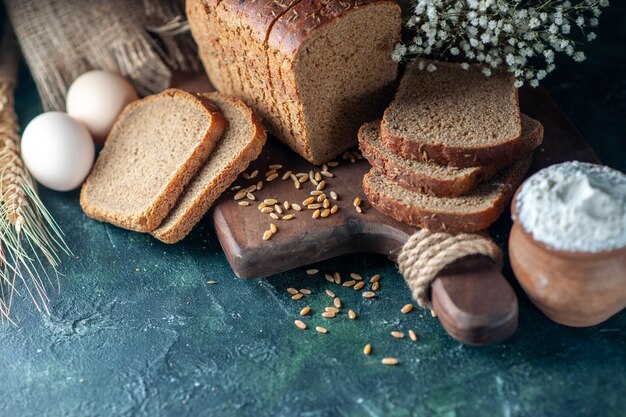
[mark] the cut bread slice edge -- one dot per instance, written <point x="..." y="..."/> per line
<point x="229" y="159"/>
<point x="471" y="213"/>
<point x="97" y="191"/>
<point x="432" y="178"/>
<point x="420" y="144"/>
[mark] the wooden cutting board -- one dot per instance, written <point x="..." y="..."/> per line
<point x="475" y="303"/>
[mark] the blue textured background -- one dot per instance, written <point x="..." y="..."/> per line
<point x="162" y="342"/>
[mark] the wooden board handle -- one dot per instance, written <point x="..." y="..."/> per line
<point x="475" y="304"/>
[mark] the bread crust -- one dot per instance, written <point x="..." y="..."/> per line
<point x="421" y="182"/>
<point x="172" y="232"/>
<point x="308" y="16"/>
<point x="445" y="187"/>
<point x="151" y="216"/>
<point x="441" y="220"/>
<point x="505" y="152"/>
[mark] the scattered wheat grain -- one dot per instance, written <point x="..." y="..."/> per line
<point x="407" y="308"/>
<point x="351" y="315"/>
<point x="369" y="294"/>
<point x="306" y="310"/>
<point x="397" y="335"/>
<point x="300" y="324"/>
<point x="321" y="329"/>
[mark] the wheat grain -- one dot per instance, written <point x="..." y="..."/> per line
<point x="369" y="294"/>
<point x="407" y="308"/>
<point x="330" y="294"/>
<point x="367" y="350"/>
<point x="389" y="361"/>
<point x="292" y="291"/>
<point x="412" y="335"/>
<point x="321" y="329"/>
<point x="351" y="315"/>
<point x="300" y="324"/>
<point x="297" y="296"/>
<point x="306" y="310"/>
<point x="312" y="271"/>
<point x="244" y="203"/>
<point x="359" y="285"/>
<point x="397" y="334"/>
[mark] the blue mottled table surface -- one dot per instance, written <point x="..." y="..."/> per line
<point x="136" y="329"/>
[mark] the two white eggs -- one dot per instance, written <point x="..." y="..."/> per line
<point x="58" y="148"/>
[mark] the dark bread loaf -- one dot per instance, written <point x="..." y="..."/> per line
<point x="454" y="117"/>
<point x="471" y="213"/>
<point x="315" y="70"/>
<point x="154" y="149"/>
<point x="429" y="177"/>
<point x="241" y="144"/>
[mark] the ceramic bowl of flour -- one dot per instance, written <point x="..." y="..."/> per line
<point x="568" y="242"/>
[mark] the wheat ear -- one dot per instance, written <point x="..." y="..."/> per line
<point x="30" y="239"/>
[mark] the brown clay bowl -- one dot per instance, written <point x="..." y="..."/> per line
<point x="576" y="289"/>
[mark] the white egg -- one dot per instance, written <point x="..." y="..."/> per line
<point x="96" y="98"/>
<point x="58" y="151"/>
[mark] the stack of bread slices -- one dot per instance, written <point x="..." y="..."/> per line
<point x="450" y="150"/>
<point x="168" y="158"/>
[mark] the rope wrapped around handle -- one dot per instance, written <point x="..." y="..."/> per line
<point x="427" y="253"/>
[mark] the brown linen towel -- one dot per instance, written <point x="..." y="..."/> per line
<point x="144" y="40"/>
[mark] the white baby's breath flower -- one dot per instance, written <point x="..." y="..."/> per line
<point x="522" y="35"/>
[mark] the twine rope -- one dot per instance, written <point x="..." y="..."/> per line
<point x="426" y="253"/>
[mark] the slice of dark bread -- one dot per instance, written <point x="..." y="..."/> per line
<point x="154" y="149"/>
<point x="471" y="213"/>
<point x="241" y="144"/>
<point x="454" y="116"/>
<point x="432" y="178"/>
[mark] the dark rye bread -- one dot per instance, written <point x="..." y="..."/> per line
<point x="432" y="178"/>
<point x="471" y="213"/>
<point x="334" y="61"/>
<point x="328" y="64"/>
<point x="454" y="116"/>
<point x="241" y="144"/>
<point x="154" y="149"/>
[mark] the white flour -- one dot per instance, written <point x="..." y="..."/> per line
<point x="575" y="206"/>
